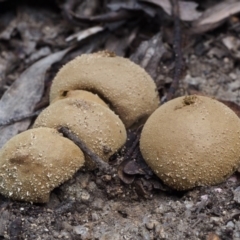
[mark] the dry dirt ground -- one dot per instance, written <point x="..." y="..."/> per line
<point x="97" y="206"/>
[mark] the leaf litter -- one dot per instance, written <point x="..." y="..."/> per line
<point x="24" y="94"/>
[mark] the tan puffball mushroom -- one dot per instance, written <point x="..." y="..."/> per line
<point x="124" y="86"/>
<point x="83" y="95"/>
<point x="97" y="126"/>
<point x="36" y="161"/>
<point x="192" y="141"/>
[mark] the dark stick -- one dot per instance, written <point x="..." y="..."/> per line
<point x="177" y="42"/>
<point x="19" y="118"/>
<point x="135" y="142"/>
<point x="103" y="166"/>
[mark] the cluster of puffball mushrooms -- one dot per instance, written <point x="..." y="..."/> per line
<point x="189" y="141"/>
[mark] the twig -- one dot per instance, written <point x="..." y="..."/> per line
<point x="103" y="166"/>
<point x="135" y="142"/>
<point x="177" y="42"/>
<point x="19" y="118"/>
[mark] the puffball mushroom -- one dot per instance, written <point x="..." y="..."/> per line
<point x="97" y="126"/>
<point x="36" y="161"/>
<point x="124" y="86"/>
<point x="83" y="95"/>
<point x="192" y="141"/>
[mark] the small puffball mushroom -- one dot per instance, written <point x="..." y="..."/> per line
<point x="83" y="95"/>
<point x="192" y="141"/>
<point x="124" y="86"/>
<point x="36" y="161"/>
<point x="97" y="126"/>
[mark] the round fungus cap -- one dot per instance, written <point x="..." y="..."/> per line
<point x="82" y="95"/>
<point x="192" y="141"/>
<point x="36" y="161"/>
<point x="124" y="86"/>
<point x="97" y="126"/>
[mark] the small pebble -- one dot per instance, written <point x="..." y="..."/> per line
<point x="218" y="190"/>
<point x="230" y="224"/>
<point x="188" y="204"/>
<point x="236" y="195"/>
<point x="204" y="197"/>
<point x="98" y="204"/>
<point x="150" y="225"/>
<point x="84" y="196"/>
<point x="92" y="186"/>
<point x="82" y="231"/>
<point x="233" y="76"/>
<point x="216" y="220"/>
<point x="66" y="226"/>
<point x="145" y="234"/>
<point x="95" y="216"/>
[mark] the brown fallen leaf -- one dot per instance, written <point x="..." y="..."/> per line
<point x="214" y="16"/>
<point x="132" y="168"/>
<point x="24" y="94"/>
<point x="126" y="178"/>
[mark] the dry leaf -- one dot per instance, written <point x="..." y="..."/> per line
<point x="119" y="44"/>
<point x="126" y="178"/>
<point x="215" y="15"/>
<point x="132" y="168"/>
<point x="118" y="12"/>
<point x="146" y="56"/>
<point x="24" y="94"/>
<point x="188" y="10"/>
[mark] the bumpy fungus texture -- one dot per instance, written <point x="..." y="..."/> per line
<point x="97" y="126"/>
<point x="36" y="161"/>
<point x="126" y="87"/>
<point x="192" y="141"/>
<point x="82" y="95"/>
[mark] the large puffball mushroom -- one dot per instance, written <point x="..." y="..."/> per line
<point x="97" y="126"/>
<point x="125" y="86"/>
<point x="192" y="141"/>
<point x="36" y="161"/>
